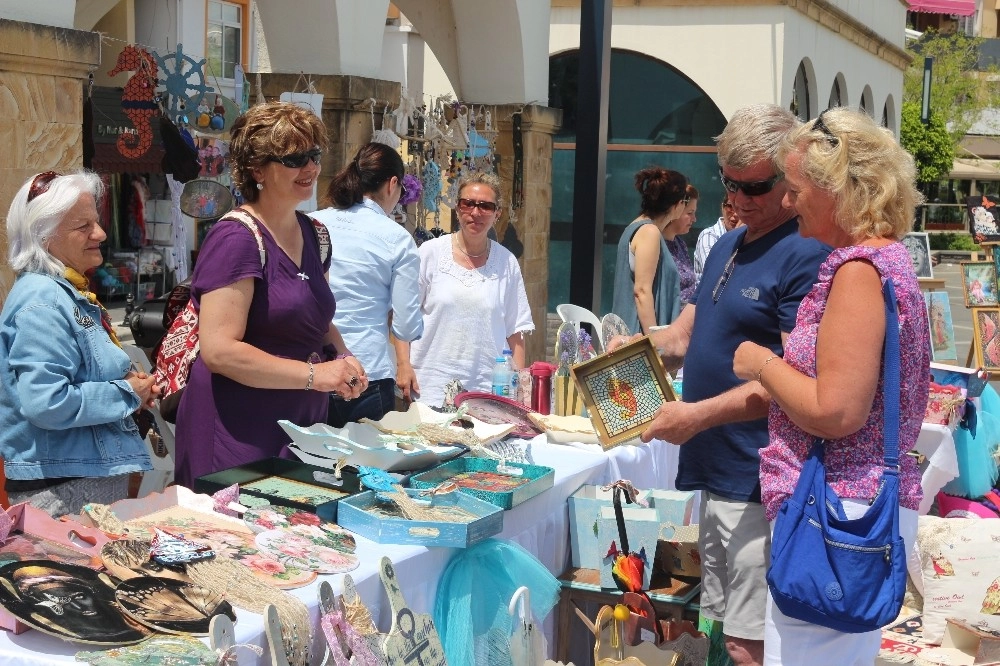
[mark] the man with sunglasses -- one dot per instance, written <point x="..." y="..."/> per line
<point x="753" y="280"/>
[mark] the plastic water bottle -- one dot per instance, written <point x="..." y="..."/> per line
<point x="508" y="356"/>
<point x="501" y="377"/>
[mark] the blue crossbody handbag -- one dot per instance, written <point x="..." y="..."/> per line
<point x="847" y="575"/>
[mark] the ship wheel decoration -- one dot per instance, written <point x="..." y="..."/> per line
<point x="184" y="79"/>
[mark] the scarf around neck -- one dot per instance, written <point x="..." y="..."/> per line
<point x="82" y="285"/>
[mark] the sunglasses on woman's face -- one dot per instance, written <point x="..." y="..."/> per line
<point x="468" y="205"/>
<point x="299" y="160"/>
<point x="752" y="189"/>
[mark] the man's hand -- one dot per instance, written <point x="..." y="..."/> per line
<point x="675" y="422"/>
<point x="617" y="341"/>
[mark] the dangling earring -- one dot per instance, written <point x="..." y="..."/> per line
<point x="260" y="186"/>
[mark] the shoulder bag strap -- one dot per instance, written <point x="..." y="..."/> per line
<point x="248" y="221"/>
<point x="890" y="381"/>
<point x="323" y="236"/>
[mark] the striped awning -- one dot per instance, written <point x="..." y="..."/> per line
<point x="960" y="7"/>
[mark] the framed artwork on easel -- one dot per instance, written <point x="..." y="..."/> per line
<point x="979" y="283"/>
<point x="986" y="338"/>
<point x="942" y="328"/>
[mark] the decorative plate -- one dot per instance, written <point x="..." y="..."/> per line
<point x="308" y="548"/>
<point x="497" y="409"/>
<point x="566" y="429"/>
<point x="172" y="606"/>
<point x="69" y="601"/>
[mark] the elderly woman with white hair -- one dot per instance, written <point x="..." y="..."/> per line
<point x="67" y="389"/>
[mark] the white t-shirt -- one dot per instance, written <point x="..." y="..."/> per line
<point x="468" y="316"/>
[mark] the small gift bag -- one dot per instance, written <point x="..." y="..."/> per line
<point x="945" y="405"/>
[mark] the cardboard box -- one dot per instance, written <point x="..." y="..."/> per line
<point x="982" y="646"/>
<point x="642" y="526"/>
<point x="673" y="506"/>
<point x="584" y="510"/>
<point x="677" y="550"/>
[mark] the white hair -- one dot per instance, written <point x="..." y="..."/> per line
<point x="30" y="225"/>
<point x="754" y="133"/>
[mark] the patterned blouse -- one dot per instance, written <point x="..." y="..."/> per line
<point x="854" y="463"/>
<point x="685" y="269"/>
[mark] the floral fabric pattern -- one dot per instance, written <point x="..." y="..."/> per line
<point x="854" y="463"/>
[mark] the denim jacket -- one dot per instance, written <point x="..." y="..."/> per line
<point x="65" y="407"/>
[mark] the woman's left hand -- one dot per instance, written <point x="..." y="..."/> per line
<point x="748" y="359"/>
<point x="144" y="387"/>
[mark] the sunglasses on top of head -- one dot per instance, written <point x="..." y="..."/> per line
<point x="471" y="204"/>
<point x="752" y="189"/>
<point x="299" y="160"/>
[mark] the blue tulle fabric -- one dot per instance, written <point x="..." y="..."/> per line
<point x="975" y="449"/>
<point x="473" y="596"/>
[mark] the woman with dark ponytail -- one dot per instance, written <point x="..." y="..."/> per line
<point x="373" y="274"/>
<point x="647" y="284"/>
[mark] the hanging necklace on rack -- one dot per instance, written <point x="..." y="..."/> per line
<point x="473" y="256"/>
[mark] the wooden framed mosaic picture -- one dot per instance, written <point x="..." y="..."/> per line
<point x="622" y="390"/>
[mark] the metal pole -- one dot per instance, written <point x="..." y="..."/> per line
<point x="591" y="154"/>
<point x="925" y="103"/>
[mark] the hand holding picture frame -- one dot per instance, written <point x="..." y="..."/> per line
<point x="622" y="390"/>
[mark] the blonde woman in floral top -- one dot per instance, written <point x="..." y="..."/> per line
<point x="853" y="187"/>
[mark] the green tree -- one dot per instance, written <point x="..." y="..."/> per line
<point x="959" y="92"/>
<point x="932" y="147"/>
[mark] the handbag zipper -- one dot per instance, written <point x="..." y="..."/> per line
<point x="887" y="549"/>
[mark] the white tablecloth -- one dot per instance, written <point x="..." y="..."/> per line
<point x="540" y="525"/>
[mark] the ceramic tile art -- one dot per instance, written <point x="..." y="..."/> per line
<point x="626" y="394"/>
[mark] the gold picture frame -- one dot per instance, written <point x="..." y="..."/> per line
<point x="622" y="390"/>
<point x="986" y="338"/>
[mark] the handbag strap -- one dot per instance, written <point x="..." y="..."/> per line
<point x="890" y="383"/>
<point x="890" y="380"/>
<point x="616" y="498"/>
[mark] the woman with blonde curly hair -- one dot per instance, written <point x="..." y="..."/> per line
<point x="268" y="348"/>
<point x="853" y="187"/>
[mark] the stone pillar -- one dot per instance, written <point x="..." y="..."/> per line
<point x="538" y="125"/>
<point x="42" y="70"/>
<point x="345" y="112"/>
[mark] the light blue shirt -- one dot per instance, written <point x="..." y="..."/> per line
<point x="65" y="407"/>
<point x="373" y="271"/>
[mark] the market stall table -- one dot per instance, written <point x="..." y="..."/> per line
<point x="540" y="525"/>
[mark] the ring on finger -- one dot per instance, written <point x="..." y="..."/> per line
<point x="353" y="382"/>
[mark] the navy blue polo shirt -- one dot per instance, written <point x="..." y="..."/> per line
<point x="754" y="297"/>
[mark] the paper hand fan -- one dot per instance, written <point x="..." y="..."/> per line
<point x="527" y="642"/>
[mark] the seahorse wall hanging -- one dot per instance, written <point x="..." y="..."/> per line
<point x="137" y="100"/>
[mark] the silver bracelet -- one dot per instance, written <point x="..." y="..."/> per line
<point x="312" y="375"/>
<point x="764" y="365"/>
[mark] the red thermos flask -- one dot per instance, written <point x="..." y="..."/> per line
<point x="541" y="386"/>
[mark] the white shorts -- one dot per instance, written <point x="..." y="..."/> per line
<point x="794" y="642"/>
<point x="735" y="545"/>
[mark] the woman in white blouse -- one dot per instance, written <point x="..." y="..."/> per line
<point x="473" y="300"/>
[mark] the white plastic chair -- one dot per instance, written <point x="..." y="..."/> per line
<point x="580" y="315"/>
<point x="162" y="473"/>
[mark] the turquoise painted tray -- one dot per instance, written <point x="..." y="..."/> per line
<point x="360" y="514"/>
<point x="479" y="477"/>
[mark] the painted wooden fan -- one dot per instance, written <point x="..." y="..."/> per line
<point x="412" y="638"/>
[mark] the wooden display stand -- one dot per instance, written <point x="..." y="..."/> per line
<point x="672" y="598"/>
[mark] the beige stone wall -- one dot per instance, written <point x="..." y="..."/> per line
<point x="42" y="70"/>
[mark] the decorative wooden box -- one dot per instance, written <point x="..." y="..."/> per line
<point x="673" y="506"/>
<point x="358" y="514"/>
<point x="287" y="483"/>
<point x="584" y="510"/>
<point x="481" y="478"/>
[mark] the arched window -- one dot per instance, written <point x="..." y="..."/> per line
<point x="800" y="105"/>
<point x="867" y="105"/>
<point x="656" y="116"/>
<point x="836" y="94"/>
<point x="650" y="102"/>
